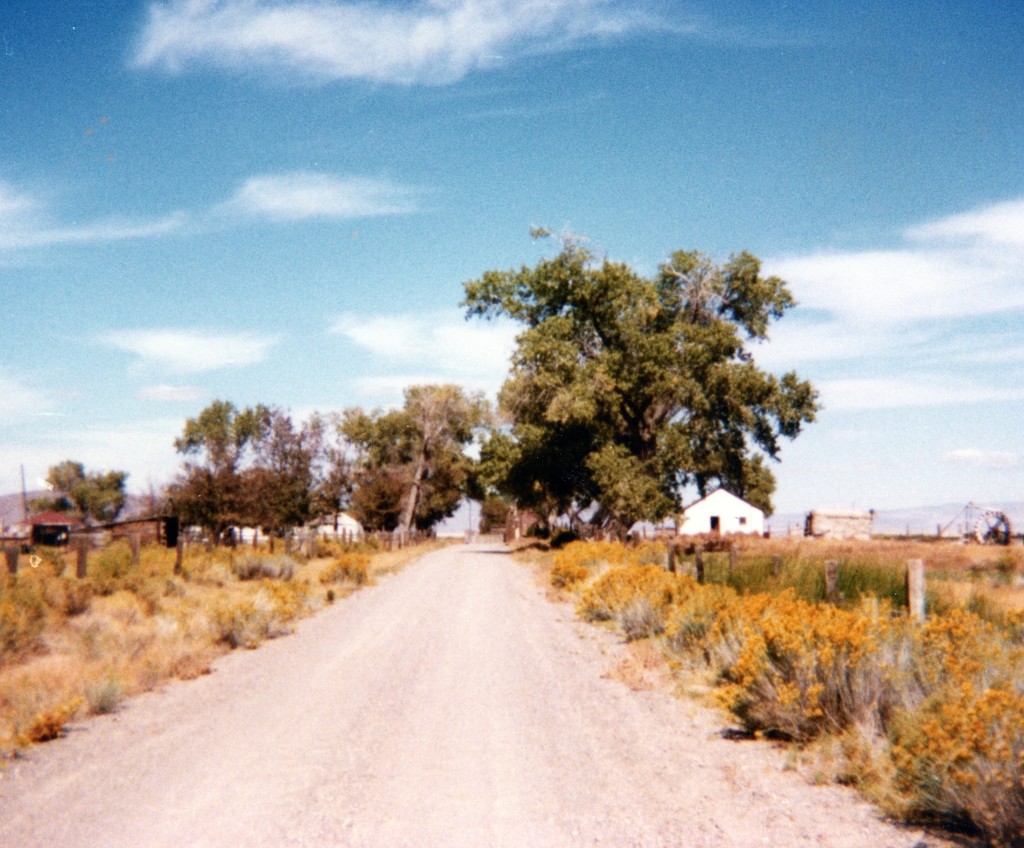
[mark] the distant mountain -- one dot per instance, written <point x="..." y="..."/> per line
<point x="915" y="521"/>
<point x="11" y="508"/>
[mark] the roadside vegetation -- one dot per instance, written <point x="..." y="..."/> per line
<point x="71" y="647"/>
<point x="925" y="719"/>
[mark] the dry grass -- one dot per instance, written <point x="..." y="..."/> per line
<point x="926" y="720"/>
<point x="69" y="647"/>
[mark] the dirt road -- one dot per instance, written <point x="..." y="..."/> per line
<point x="451" y="705"/>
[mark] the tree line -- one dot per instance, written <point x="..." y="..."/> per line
<point x="624" y="394"/>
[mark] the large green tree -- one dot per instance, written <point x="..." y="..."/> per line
<point x="217" y="445"/>
<point x="96" y="497"/>
<point x="279" y="485"/>
<point x="626" y="390"/>
<point x="412" y="468"/>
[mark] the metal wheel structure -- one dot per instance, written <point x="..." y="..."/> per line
<point x="992" y="527"/>
<point x="982" y="524"/>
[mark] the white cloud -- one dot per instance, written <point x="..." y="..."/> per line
<point x="388" y="389"/>
<point x="424" y="41"/>
<point x="930" y="278"/>
<point x="863" y="393"/>
<point x="986" y="459"/>
<point x="144" y="447"/>
<point x="97" y="231"/>
<point x="900" y="286"/>
<point x="19" y="401"/>
<point x="793" y="342"/>
<point x="25" y="222"/>
<point x="191" y="351"/>
<point x="304" y="195"/>
<point x="444" y="341"/>
<point x="427" y="348"/>
<point x="16" y="206"/>
<point x="170" y="394"/>
<point x="1000" y="224"/>
<point x="923" y="315"/>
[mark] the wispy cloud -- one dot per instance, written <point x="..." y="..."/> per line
<point x="430" y="348"/>
<point x="918" y="390"/>
<point x="424" y="41"/>
<point x="985" y="459"/>
<point x="998" y="224"/>
<point x="19" y="401"/>
<point x="304" y="195"/>
<point x="144" y="447"/>
<point x="443" y="339"/>
<point x="190" y="351"/>
<point x="906" y="326"/>
<point x="966" y="264"/>
<point x="912" y="284"/>
<point x="170" y="394"/>
<point x="26" y="222"/>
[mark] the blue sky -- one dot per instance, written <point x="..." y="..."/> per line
<point x="279" y="202"/>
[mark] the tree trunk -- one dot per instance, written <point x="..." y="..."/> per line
<point x="409" y="511"/>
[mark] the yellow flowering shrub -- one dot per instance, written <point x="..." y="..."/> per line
<point x="802" y="669"/>
<point x="694" y="613"/>
<point x="615" y="590"/>
<point x="935" y="711"/>
<point x="959" y="751"/>
<point x="961" y="756"/>
<point x="573" y="564"/>
<point x="353" y="566"/>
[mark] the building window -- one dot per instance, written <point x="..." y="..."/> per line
<point x="743" y="520"/>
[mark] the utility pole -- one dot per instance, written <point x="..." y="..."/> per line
<point x="24" y="497"/>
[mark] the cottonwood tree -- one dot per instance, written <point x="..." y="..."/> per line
<point x="96" y="497"/>
<point x="625" y="390"/>
<point x="335" y="460"/>
<point x="412" y="469"/>
<point x="216" y="445"/>
<point x="278" y="486"/>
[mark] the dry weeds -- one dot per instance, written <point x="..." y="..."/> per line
<point x="70" y="646"/>
<point x="926" y="720"/>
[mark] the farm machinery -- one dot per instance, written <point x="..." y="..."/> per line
<point x="985" y="525"/>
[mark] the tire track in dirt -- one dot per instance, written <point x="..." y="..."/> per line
<point x="451" y="705"/>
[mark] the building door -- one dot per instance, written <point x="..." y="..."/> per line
<point x="716" y="526"/>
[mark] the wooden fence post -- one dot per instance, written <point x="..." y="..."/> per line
<point x="81" y="558"/>
<point x="733" y="557"/>
<point x="776" y="565"/>
<point x="698" y="562"/>
<point x="11" y="555"/>
<point x="179" y="554"/>
<point x="671" y="565"/>
<point x="135" y="542"/>
<point x="831" y="580"/>
<point x="915" y="588"/>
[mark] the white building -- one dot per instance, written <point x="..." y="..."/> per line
<point x="721" y="513"/>
<point x="339" y="526"/>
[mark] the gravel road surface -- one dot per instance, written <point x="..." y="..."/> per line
<point x="450" y="705"/>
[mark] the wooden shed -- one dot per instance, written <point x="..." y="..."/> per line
<point x="53" y="528"/>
